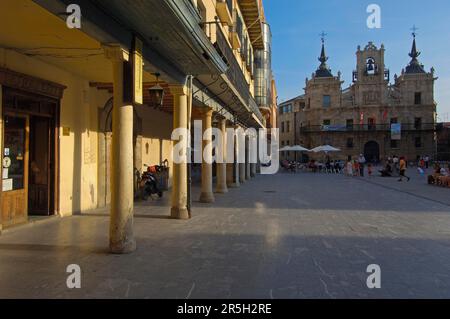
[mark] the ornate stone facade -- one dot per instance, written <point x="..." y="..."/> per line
<point x="359" y="119"/>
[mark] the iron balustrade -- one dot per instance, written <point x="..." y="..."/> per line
<point x="367" y="128"/>
<point x="234" y="72"/>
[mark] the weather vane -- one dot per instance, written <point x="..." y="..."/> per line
<point x="414" y="30"/>
<point x="322" y="36"/>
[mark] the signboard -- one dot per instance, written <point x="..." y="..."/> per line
<point x="7" y="185"/>
<point x="396" y="131"/>
<point x="66" y="131"/>
<point x="337" y="128"/>
<point x="138" y="64"/>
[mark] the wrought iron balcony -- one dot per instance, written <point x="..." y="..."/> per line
<point x="234" y="72"/>
<point x="224" y="9"/>
<point x="406" y="127"/>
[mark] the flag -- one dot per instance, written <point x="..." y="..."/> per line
<point x="385" y="114"/>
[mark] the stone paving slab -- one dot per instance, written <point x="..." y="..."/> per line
<point x="284" y="236"/>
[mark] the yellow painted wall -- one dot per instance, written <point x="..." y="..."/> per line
<point x="78" y="152"/>
<point x="156" y="131"/>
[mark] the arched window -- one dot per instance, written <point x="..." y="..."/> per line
<point x="371" y="67"/>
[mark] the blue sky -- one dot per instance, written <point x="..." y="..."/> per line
<point x="296" y="25"/>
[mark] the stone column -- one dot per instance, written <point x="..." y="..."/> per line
<point x="121" y="237"/>
<point x="207" y="195"/>
<point x="1" y="150"/>
<point x="242" y="166"/>
<point x="247" y="158"/>
<point x="180" y="183"/>
<point x="221" y="186"/>
<point x="137" y="159"/>
<point x="233" y="168"/>
<point x="253" y="169"/>
<point x="253" y="165"/>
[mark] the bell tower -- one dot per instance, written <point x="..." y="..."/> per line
<point x="371" y="78"/>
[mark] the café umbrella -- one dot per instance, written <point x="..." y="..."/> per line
<point x="326" y="149"/>
<point x="298" y="148"/>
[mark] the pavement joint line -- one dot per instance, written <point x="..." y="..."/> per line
<point x="404" y="192"/>
<point x="31" y="223"/>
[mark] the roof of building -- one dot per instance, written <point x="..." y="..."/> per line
<point x="414" y="66"/>
<point x="291" y="100"/>
<point x="323" y="71"/>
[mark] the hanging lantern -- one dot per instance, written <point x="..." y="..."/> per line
<point x="156" y="94"/>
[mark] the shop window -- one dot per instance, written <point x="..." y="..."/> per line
<point x="14" y="153"/>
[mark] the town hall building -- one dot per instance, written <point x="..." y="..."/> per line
<point x="371" y="117"/>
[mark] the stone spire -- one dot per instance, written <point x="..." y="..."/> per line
<point x="323" y="71"/>
<point x="414" y="66"/>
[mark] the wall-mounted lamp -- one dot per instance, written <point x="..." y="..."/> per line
<point x="156" y="94"/>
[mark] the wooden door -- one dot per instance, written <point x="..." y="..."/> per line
<point x="15" y="169"/>
<point x="40" y="170"/>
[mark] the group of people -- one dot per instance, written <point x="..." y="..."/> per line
<point x="441" y="175"/>
<point x="395" y="165"/>
<point x="357" y="167"/>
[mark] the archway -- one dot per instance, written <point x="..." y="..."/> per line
<point x="372" y="152"/>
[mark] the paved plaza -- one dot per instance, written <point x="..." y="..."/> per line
<point x="289" y="235"/>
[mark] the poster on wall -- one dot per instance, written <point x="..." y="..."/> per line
<point x="7" y="185"/>
<point x="396" y="131"/>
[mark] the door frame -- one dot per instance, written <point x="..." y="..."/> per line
<point x="10" y="79"/>
<point x="54" y="126"/>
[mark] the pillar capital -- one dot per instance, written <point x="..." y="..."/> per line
<point x="205" y="111"/>
<point x="116" y="52"/>
<point x="221" y="119"/>
<point x="178" y="89"/>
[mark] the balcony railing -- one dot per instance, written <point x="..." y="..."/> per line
<point x="234" y="72"/>
<point x="367" y="128"/>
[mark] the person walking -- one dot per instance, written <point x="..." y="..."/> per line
<point x="395" y="163"/>
<point x="422" y="163"/>
<point x="349" y="168"/>
<point x="427" y="161"/>
<point x="402" y="168"/>
<point x="361" y="161"/>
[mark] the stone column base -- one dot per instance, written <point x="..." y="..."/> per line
<point x="179" y="213"/>
<point x="234" y="185"/>
<point x="124" y="247"/>
<point x="206" y="197"/>
<point x="222" y="190"/>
